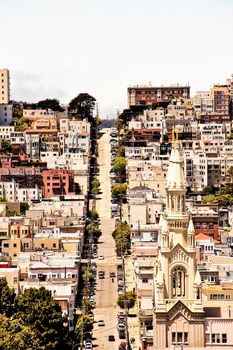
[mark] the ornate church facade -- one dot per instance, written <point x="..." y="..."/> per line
<point x="178" y="317"/>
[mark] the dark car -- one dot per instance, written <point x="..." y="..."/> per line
<point x="122" y="346"/>
<point x="121" y="334"/>
<point x="112" y="274"/>
<point x="111" y="338"/>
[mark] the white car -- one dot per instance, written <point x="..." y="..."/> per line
<point x="101" y="257"/>
<point x="88" y="347"/>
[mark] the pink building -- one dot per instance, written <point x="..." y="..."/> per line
<point x="57" y="182"/>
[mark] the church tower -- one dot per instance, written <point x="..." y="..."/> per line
<point x="178" y="311"/>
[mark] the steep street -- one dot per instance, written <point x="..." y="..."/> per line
<point x="106" y="293"/>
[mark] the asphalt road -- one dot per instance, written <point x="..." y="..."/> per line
<point x="106" y="291"/>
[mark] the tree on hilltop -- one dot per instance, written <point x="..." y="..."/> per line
<point x="50" y="103"/>
<point x="83" y="106"/>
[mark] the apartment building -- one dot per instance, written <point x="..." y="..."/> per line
<point x="32" y="145"/>
<point x="76" y="126"/>
<point x="195" y="169"/>
<point x="5" y="114"/>
<point x="180" y="109"/>
<point x="65" y="206"/>
<point x="41" y="121"/>
<point x="57" y="182"/>
<point x="214" y="131"/>
<point x="148" y="94"/>
<point x="152" y="151"/>
<point x="5" y="132"/>
<point x="4" y="86"/>
<point x="147" y="173"/>
<point x="203" y="102"/>
<point x="57" y="272"/>
<point x="4" y="231"/>
<point x="26" y="177"/>
<point x="221" y="99"/>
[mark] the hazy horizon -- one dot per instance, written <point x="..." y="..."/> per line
<point x="57" y="49"/>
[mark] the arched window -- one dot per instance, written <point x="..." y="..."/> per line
<point x="178" y="282"/>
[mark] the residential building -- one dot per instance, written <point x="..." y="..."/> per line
<point x="41" y="121"/>
<point x="4" y="86"/>
<point x="5" y="113"/>
<point x="57" y="182"/>
<point x="221" y="99"/>
<point x="5" y="131"/>
<point x="57" y="272"/>
<point x="148" y="94"/>
<point x="32" y="145"/>
<point x="28" y="177"/>
<point x="203" y="102"/>
<point x="147" y="173"/>
<point x="4" y="231"/>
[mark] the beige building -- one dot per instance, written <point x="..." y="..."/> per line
<point x="4" y="86"/>
<point x="147" y="173"/>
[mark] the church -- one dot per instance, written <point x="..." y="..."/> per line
<point x="178" y="316"/>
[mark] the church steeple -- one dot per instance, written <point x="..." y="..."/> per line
<point x="177" y="285"/>
<point x="175" y="184"/>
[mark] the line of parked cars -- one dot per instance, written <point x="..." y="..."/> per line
<point x="120" y="279"/>
<point x="115" y="209"/>
<point x="91" y="284"/>
<point x="121" y="325"/>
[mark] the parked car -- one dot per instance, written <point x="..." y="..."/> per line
<point x="120" y="283"/>
<point x="112" y="274"/>
<point x="111" y="338"/>
<point x="101" y="323"/>
<point x="88" y="342"/>
<point x="101" y="257"/>
<point x="121" y="334"/>
<point x="121" y="327"/>
<point x="122" y="346"/>
<point x="101" y="274"/>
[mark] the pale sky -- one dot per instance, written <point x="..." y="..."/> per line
<point x="58" y="48"/>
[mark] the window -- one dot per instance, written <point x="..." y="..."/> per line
<point x="179" y="337"/>
<point x="15" y="245"/>
<point x="215" y="338"/>
<point x="173" y="338"/>
<point x="224" y="338"/>
<point x="178" y="282"/>
<point x="145" y="280"/>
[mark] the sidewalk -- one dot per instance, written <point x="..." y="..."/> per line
<point x="133" y="322"/>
